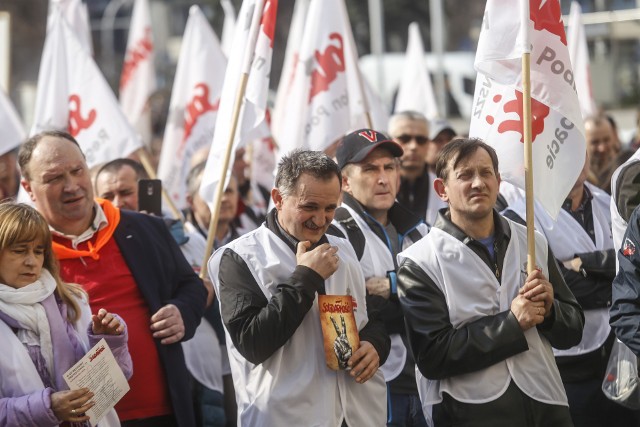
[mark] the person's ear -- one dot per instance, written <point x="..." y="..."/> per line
<point x="346" y="187"/>
<point x="277" y="198"/>
<point x="27" y="187"/>
<point x="441" y="189"/>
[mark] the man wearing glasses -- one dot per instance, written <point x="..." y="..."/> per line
<point x="411" y="129"/>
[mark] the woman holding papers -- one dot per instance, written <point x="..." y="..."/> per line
<point x="45" y="328"/>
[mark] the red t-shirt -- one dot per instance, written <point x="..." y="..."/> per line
<point x="111" y="285"/>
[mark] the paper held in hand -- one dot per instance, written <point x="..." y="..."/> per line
<point x="339" y="329"/>
<point x="98" y="370"/>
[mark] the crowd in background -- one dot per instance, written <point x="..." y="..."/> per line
<point x="185" y="370"/>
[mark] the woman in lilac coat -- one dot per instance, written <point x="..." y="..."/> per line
<point x="45" y="328"/>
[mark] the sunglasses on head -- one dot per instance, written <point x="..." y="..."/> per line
<point x="420" y="140"/>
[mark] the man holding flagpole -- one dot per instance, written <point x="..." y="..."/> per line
<point x="481" y="335"/>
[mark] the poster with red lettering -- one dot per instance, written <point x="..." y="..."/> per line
<point x="339" y="329"/>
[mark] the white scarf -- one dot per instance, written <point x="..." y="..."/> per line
<point x="23" y="305"/>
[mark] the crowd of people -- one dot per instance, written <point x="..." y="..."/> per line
<point x="410" y="226"/>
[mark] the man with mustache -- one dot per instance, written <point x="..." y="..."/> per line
<point x="378" y="227"/>
<point x="480" y="328"/>
<point x="129" y="264"/>
<point x="267" y="282"/>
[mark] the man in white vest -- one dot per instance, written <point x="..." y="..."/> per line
<point x="580" y="238"/>
<point x="480" y="327"/>
<point x="378" y="227"/>
<point x="268" y="281"/>
<point x="410" y="129"/>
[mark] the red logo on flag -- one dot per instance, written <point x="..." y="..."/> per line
<point x="138" y="53"/>
<point x="547" y="15"/>
<point x="198" y="105"/>
<point x="628" y="248"/>
<point x="268" y="19"/>
<point x="370" y="135"/>
<point x="539" y="111"/>
<point x="330" y="63"/>
<point x="76" y="122"/>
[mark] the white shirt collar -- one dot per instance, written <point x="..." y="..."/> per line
<point x="99" y="222"/>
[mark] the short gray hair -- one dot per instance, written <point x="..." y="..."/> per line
<point x="413" y="116"/>
<point x="298" y="162"/>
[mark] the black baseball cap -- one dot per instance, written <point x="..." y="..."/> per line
<point x="357" y="145"/>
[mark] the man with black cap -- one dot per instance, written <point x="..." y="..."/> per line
<point x="378" y="227"/>
<point x="410" y="129"/>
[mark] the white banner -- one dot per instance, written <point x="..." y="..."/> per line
<point x="254" y="103"/>
<point x="579" y="54"/>
<point x="557" y="127"/>
<point x="326" y="99"/>
<point x="193" y="108"/>
<point x="416" y="92"/>
<point x="138" y="77"/>
<point x="12" y="128"/>
<point x="73" y="95"/>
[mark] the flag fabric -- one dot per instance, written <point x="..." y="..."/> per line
<point x="138" y="77"/>
<point x="77" y="16"/>
<point x="12" y="128"/>
<point x="73" y="95"/>
<point x="579" y="54"/>
<point x="558" y="148"/>
<point x="291" y="55"/>
<point x="416" y="92"/>
<point x="259" y="48"/>
<point x="326" y="99"/>
<point x="228" y="26"/>
<point x="194" y="103"/>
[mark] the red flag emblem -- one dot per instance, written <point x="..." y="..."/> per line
<point x="370" y="135"/>
<point x="628" y="248"/>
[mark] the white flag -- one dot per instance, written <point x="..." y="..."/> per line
<point x="73" y="95"/>
<point x="77" y="16"/>
<point x="579" y="54"/>
<point x="291" y="54"/>
<point x="12" y="128"/>
<point x="138" y="78"/>
<point x="557" y="128"/>
<point x="228" y="26"/>
<point x="326" y="99"/>
<point x="416" y="92"/>
<point x="254" y="103"/>
<point x="194" y="103"/>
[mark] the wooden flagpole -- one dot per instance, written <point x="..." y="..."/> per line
<point x="237" y="105"/>
<point x="526" y="127"/>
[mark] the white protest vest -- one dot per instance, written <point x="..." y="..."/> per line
<point x="474" y="292"/>
<point x="294" y="386"/>
<point x="18" y="374"/>
<point x="619" y="225"/>
<point x="566" y="238"/>
<point x="376" y="261"/>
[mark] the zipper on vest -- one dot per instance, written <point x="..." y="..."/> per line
<point x="495" y="259"/>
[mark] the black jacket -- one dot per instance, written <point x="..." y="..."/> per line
<point x="258" y="326"/>
<point x="625" y="307"/>
<point x="441" y="351"/>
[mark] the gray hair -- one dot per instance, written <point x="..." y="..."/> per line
<point x="413" y="116"/>
<point x="298" y="162"/>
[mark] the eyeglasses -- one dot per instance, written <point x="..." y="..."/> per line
<point x="420" y="140"/>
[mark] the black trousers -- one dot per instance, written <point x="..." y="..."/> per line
<point x="163" y="421"/>
<point x="513" y="408"/>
